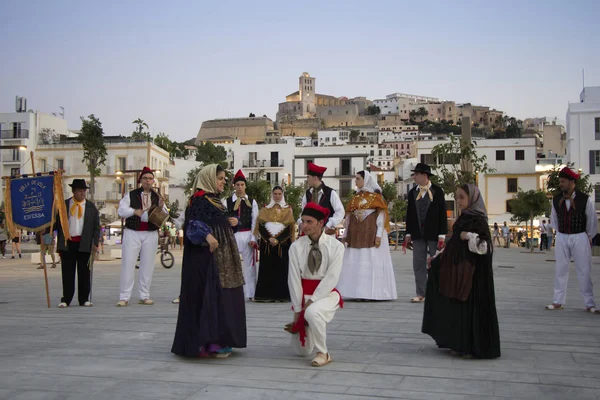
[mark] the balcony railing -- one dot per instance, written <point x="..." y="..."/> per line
<point x="262" y="164"/>
<point x="345" y="171"/>
<point x="11" y="134"/>
<point x="111" y="170"/>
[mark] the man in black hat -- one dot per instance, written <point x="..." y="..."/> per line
<point x="84" y="229"/>
<point x="426" y="225"/>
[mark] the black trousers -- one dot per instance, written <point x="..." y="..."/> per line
<point x="72" y="260"/>
<point x="544" y="241"/>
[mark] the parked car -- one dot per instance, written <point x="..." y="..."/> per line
<point x="396" y="236"/>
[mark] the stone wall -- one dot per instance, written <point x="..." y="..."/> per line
<point x="247" y="130"/>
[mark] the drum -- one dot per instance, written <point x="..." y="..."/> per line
<point x="157" y="216"/>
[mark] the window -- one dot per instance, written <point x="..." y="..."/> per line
<point x="372" y="152"/>
<point x="60" y="163"/>
<point x="273" y="178"/>
<point x="499" y="155"/>
<point x="427" y="159"/>
<point x="345" y="188"/>
<point x="15" y="171"/>
<point x="512" y="185"/>
<point x="345" y="166"/>
<point x="594" y="162"/>
<point x="380" y="152"/>
<point x="596" y="192"/>
<point x="43" y="166"/>
<point x="16" y="129"/>
<point x="121" y="163"/>
<point x="508" y="207"/>
<point x="597" y="128"/>
<point x="519" y="155"/>
<point x="388" y="153"/>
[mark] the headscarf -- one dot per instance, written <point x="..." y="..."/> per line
<point x="476" y="205"/>
<point x="281" y="203"/>
<point x="370" y="184"/>
<point x="206" y="179"/>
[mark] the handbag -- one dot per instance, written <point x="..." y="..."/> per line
<point x="47" y="238"/>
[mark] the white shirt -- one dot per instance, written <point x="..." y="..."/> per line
<point x="76" y="224"/>
<point x="126" y="211"/>
<point x="254" y="213"/>
<point x="338" y="208"/>
<point x="591" y="226"/>
<point x="332" y="251"/>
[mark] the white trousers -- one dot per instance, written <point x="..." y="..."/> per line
<point x="318" y="315"/>
<point x="578" y="247"/>
<point x="250" y="271"/>
<point x="145" y="244"/>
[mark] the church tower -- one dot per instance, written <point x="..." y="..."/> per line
<point x="307" y="96"/>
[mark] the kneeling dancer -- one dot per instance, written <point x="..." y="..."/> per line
<point x="314" y="271"/>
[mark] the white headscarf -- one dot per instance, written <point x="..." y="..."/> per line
<point x="281" y="203"/>
<point x="370" y="184"/>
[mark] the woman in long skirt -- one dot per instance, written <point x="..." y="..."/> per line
<point x="460" y="304"/>
<point x="212" y="313"/>
<point x="368" y="272"/>
<point x="276" y="228"/>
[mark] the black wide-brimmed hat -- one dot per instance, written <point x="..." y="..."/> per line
<point x="79" y="184"/>
<point x="423" y="168"/>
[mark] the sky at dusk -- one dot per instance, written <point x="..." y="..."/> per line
<point x="175" y="64"/>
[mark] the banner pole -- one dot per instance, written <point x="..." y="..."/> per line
<point x="43" y="262"/>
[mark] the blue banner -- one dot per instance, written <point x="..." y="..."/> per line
<point x="32" y="199"/>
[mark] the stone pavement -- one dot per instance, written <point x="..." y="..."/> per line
<point x="106" y="352"/>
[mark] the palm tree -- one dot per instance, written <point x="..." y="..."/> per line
<point x="139" y="133"/>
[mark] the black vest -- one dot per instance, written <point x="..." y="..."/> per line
<point x="574" y="220"/>
<point x="244" y="213"/>
<point x="422" y="207"/>
<point x="135" y="202"/>
<point x="325" y="198"/>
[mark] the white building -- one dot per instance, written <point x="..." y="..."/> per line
<point x="179" y="175"/>
<point x="274" y="159"/>
<point x="25" y="129"/>
<point x="515" y="165"/>
<point x="123" y="155"/>
<point x="583" y="136"/>
<point x="394" y="104"/>
<point x="333" y="138"/>
<point x="342" y="163"/>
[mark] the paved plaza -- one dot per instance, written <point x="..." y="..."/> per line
<point x="107" y="352"/>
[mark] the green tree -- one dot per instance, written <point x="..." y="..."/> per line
<point x="354" y="134"/>
<point x="525" y="206"/>
<point x="162" y="140"/>
<point x="139" y="133"/>
<point x="293" y="197"/>
<point x="251" y="115"/>
<point x="208" y="153"/>
<point x="457" y="163"/>
<point x="94" y="148"/>
<point x="583" y="183"/>
<point x="173" y="209"/>
<point x="389" y="191"/>
<point x="373" y="110"/>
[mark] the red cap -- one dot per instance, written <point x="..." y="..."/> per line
<point x="146" y="170"/>
<point x="315" y="170"/>
<point x="568" y="173"/>
<point x="239" y="176"/>
<point x="316" y="211"/>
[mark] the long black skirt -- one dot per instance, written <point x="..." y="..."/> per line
<point x="469" y="327"/>
<point x="272" y="281"/>
<point x="208" y="313"/>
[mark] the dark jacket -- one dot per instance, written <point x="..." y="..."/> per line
<point x="91" y="229"/>
<point x="436" y="222"/>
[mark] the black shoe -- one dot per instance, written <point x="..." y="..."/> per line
<point x="20" y="256"/>
<point x="12" y="258"/>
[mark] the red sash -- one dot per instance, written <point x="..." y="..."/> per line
<point x="308" y="289"/>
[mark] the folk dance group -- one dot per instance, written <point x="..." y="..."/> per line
<point x="453" y="271"/>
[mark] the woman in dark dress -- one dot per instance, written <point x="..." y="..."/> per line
<point x="275" y="227"/>
<point x="212" y="313"/>
<point x="460" y="306"/>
